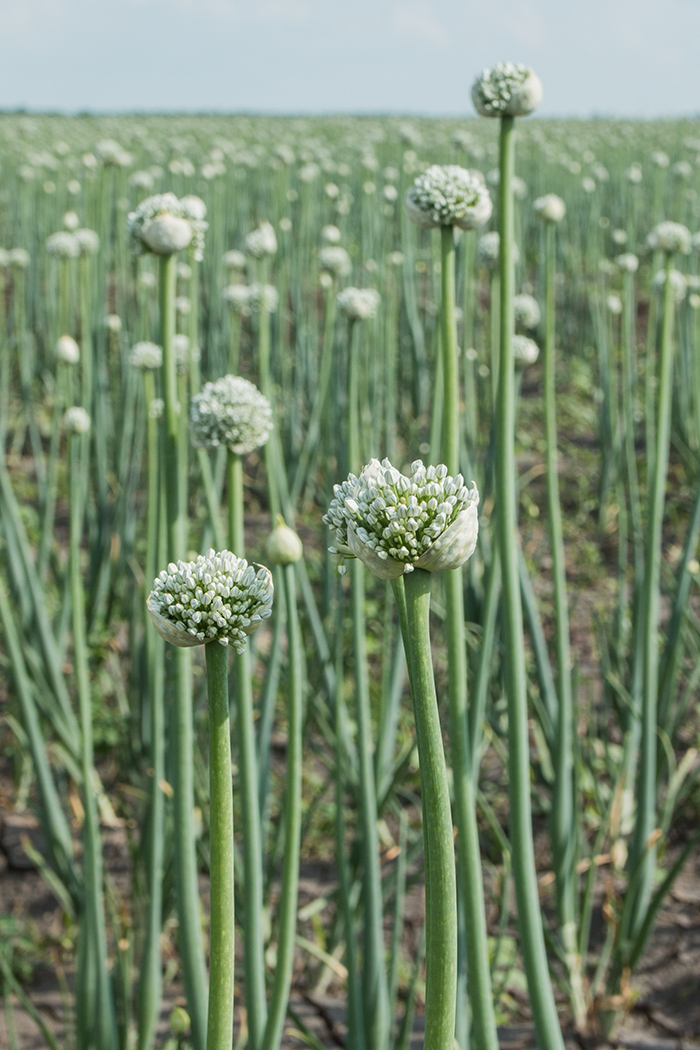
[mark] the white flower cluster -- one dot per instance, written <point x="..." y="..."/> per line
<point x="145" y="355"/>
<point x="551" y="208"/>
<point x="525" y="351"/>
<point x="448" y="196"/>
<point x="670" y="237"/>
<point x="628" y="262"/>
<point x="234" y="260"/>
<point x="238" y="298"/>
<point x="163" y="225"/>
<point x="215" y="598"/>
<point x="230" y="412"/>
<point x="88" y="241"/>
<point x="526" y="311"/>
<point x="357" y="304"/>
<point x="394" y="523"/>
<point x="330" y="234"/>
<point x="76" y="420"/>
<point x="67" y="350"/>
<point x="63" y="245"/>
<point x="261" y="242"/>
<point x="508" y="89"/>
<point x="263" y="297"/>
<point x="679" y="285"/>
<point x="19" y="258"/>
<point x="488" y="250"/>
<point x="334" y="260"/>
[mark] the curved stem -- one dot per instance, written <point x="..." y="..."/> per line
<point x="441" y="889"/>
<point x="221" y="926"/>
<point x="544" y="1010"/>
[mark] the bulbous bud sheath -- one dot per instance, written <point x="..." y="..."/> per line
<point x="508" y="89"/>
<point x="396" y="523"/>
<point x="284" y="546"/>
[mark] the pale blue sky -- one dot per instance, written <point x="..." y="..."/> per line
<point x="617" y="57"/>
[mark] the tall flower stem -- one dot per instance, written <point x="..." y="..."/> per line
<point x="189" y="929"/>
<point x="95" y="1006"/>
<point x="441" y="890"/>
<point x="292" y="820"/>
<point x="374" y="985"/>
<point x="150" y="983"/>
<point x="471" y="884"/>
<point x="563" y="813"/>
<point x="642" y="853"/>
<point x="253" y="944"/>
<point x="544" y="1010"/>
<point x="221" y="928"/>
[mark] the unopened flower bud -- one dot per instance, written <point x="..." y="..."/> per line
<point x="284" y="546"/>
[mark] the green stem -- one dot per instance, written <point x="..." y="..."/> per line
<point x="292" y="818"/>
<point x="253" y="944"/>
<point x="221" y="926"/>
<point x="189" y="929"/>
<point x="640" y="853"/>
<point x="544" y="1010"/>
<point x="441" y="890"/>
<point x="95" y="1005"/>
<point x="471" y="886"/>
<point x="563" y="816"/>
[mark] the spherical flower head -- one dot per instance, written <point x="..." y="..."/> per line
<point x="283" y="545"/>
<point x="19" y="258"/>
<point x="627" y="262"/>
<point x="261" y="242"/>
<point x="551" y="208"/>
<point x="194" y="206"/>
<point x="88" y="241"/>
<point x="330" y="234"/>
<point x="679" y="285"/>
<point x="358" y="304"/>
<point x="507" y="90"/>
<point x="526" y="311"/>
<point x="164" y="225"/>
<point x="67" y="350"/>
<point x="588" y="184"/>
<point x="76" y="420"/>
<point x="448" y="196"/>
<point x="183" y="354"/>
<point x="142" y="180"/>
<point x="215" y="598"/>
<point x="525" y="351"/>
<point x="660" y="159"/>
<point x="263" y="297"/>
<point x="230" y="412"/>
<point x="156" y="408"/>
<point x="71" y="221"/>
<point x="234" y="260"/>
<point x="113" y="323"/>
<point x="63" y="245"/>
<point x="613" y="305"/>
<point x="237" y="296"/>
<point x="488" y="250"/>
<point x="4" y="258"/>
<point x="145" y="355"/>
<point x="334" y="260"/>
<point x="670" y="237"/>
<point x="396" y="523"/>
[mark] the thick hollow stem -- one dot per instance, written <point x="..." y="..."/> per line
<point x="221" y="927"/>
<point x="544" y="1010"/>
<point x="441" y="890"/>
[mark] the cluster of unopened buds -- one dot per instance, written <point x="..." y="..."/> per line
<point x="395" y="523"/>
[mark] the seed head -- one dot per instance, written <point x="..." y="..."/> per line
<point x="63" y="245"/>
<point x="448" y="196"/>
<point x="525" y="351"/>
<point x="261" y="242"/>
<point x="334" y="260"/>
<point x="88" y="241"/>
<point x="628" y="262"/>
<point x="679" y="285"/>
<point x="215" y="598"/>
<point x="551" y="208"/>
<point x="67" y="350"/>
<point x="526" y="311"/>
<point x="670" y="237"/>
<point x="164" y="225"/>
<point x="396" y="523"/>
<point x="146" y="355"/>
<point x="508" y="89"/>
<point x="232" y="413"/>
<point x="234" y="260"/>
<point x="358" y="304"/>
<point x="76" y="420"/>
